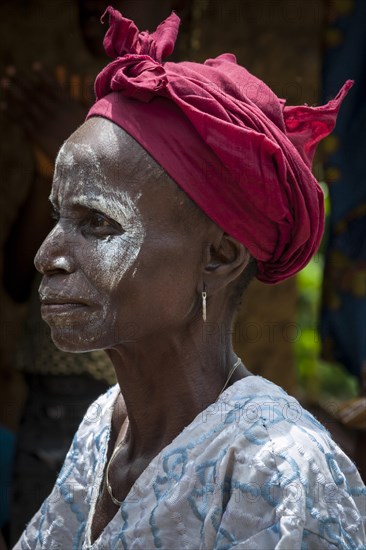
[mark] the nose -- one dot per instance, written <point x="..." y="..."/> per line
<point x="55" y="255"/>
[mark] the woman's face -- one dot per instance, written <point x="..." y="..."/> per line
<point x="120" y="264"/>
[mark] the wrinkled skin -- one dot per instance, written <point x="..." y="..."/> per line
<point x="136" y="272"/>
<point x="123" y="270"/>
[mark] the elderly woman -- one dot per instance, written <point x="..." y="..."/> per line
<point x="185" y="182"/>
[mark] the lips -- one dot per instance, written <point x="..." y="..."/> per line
<point x="61" y="301"/>
<point x="58" y="305"/>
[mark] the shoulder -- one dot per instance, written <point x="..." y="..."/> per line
<point x="283" y="465"/>
<point x="62" y="516"/>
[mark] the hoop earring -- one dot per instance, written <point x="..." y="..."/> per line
<point x="204" y="305"/>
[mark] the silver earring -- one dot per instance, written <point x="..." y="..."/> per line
<point x="204" y="305"/>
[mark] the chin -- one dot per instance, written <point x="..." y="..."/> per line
<point x="74" y="338"/>
<point x="70" y="340"/>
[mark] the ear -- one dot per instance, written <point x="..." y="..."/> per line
<point x="225" y="260"/>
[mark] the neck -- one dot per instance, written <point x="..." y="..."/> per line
<point x="166" y="384"/>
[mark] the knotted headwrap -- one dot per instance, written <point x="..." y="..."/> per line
<point x="225" y="138"/>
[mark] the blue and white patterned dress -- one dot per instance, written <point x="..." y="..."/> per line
<point x="252" y="471"/>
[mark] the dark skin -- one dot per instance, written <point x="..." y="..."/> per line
<point x="104" y="275"/>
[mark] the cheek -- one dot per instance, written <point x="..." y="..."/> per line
<point x="165" y="281"/>
<point x="112" y="259"/>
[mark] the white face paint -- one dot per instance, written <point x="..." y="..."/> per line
<point x="119" y="266"/>
<point x="92" y="192"/>
<point x="81" y="189"/>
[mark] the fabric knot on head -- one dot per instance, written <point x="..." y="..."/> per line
<point x="236" y="149"/>
<point x="137" y="70"/>
<point x="133" y="75"/>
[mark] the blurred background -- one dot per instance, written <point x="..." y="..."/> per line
<point x="307" y="334"/>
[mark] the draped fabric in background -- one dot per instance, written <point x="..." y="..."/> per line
<point x="343" y="313"/>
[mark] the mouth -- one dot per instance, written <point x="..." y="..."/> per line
<point x="61" y="305"/>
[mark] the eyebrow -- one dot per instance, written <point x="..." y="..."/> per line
<point x="117" y="215"/>
<point x="91" y="204"/>
<point x="82" y="202"/>
<point x="121" y="213"/>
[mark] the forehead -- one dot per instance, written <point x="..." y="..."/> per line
<point x="100" y="159"/>
<point x="102" y="156"/>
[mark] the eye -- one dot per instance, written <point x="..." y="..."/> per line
<point x="98" y="220"/>
<point x="101" y="225"/>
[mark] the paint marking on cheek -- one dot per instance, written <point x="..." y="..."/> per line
<point x="118" y="256"/>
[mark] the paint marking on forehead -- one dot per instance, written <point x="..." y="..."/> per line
<point x="68" y="157"/>
<point x="107" y="136"/>
<point x="75" y="155"/>
<point x="84" y="172"/>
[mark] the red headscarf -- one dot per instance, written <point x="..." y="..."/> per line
<point x="225" y="138"/>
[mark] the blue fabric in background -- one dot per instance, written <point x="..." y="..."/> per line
<point x="343" y="312"/>
<point x="7" y="446"/>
